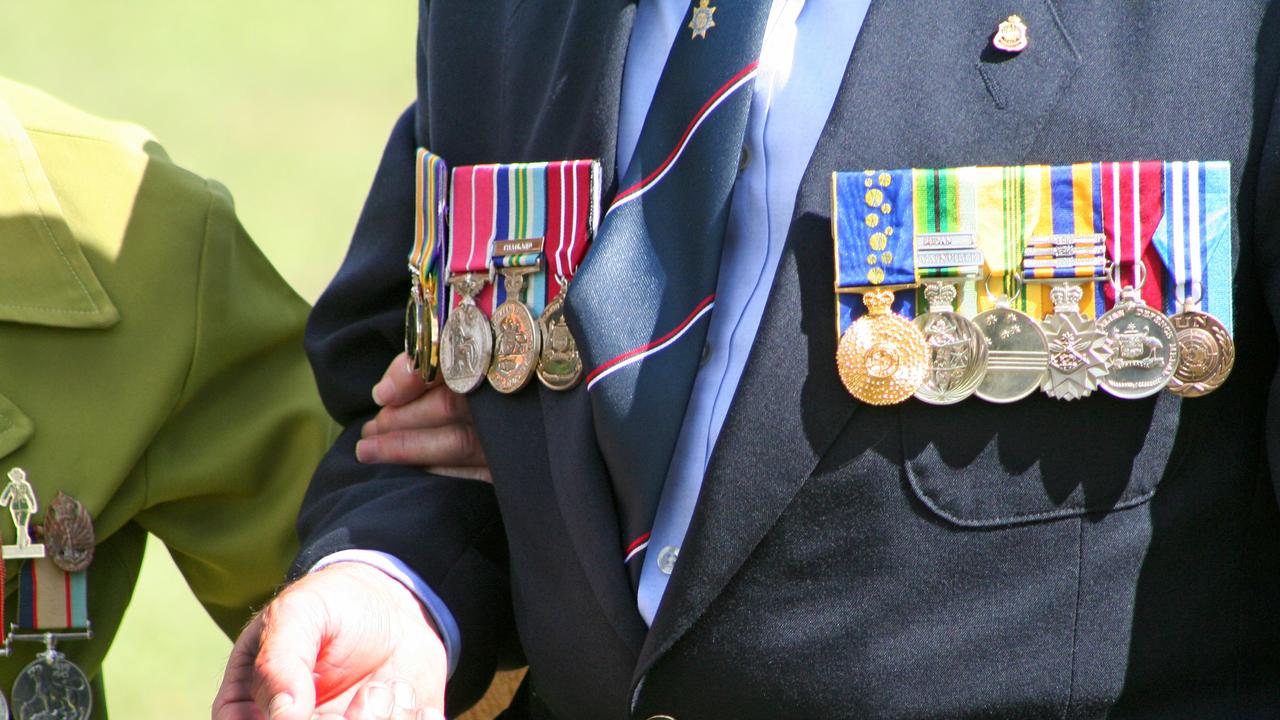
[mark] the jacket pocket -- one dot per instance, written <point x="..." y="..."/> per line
<point x="979" y="465"/>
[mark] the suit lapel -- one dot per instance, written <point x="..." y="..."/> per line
<point x="898" y="106"/>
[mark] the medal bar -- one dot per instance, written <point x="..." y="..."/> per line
<point x="422" y="315"/>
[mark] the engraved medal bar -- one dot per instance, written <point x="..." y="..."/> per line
<point x="882" y="358"/>
<point x="422" y="316"/>
<point x="1079" y="351"/>
<point x="573" y="191"/>
<point x="466" y="340"/>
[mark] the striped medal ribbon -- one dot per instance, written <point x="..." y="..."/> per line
<point x="573" y="201"/>
<point x="519" y="230"/>
<point x="466" y="340"/>
<point x="947" y="258"/>
<point x="1079" y="351"/>
<point x="422" y="321"/>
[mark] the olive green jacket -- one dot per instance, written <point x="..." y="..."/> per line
<point x="151" y="366"/>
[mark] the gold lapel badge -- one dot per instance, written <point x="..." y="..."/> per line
<point x="1011" y="36"/>
<point x="702" y="21"/>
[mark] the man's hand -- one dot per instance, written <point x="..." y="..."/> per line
<point x="420" y="424"/>
<point x="344" y="643"/>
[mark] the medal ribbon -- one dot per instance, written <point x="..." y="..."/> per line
<point x="49" y="598"/>
<point x="429" y="224"/>
<point x="873" y="218"/>
<point x="472" y="207"/>
<point x="1194" y="239"/>
<point x="1065" y="257"/>
<point x="573" y="187"/>
<point x="945" y="202"/>
<point x="520" y="212"/>
<point x="1132" y="209"/>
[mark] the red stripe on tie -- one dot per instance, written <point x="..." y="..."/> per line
<point x="649" y="346"/>
<point x="635" y="547"/>
<point x="697" y="118"/>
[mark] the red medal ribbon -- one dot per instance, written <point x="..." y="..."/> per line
<point x="1132" y="208"/>
<point x="572" y="189"/>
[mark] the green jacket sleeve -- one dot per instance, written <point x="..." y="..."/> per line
<point x="226" y="472"/>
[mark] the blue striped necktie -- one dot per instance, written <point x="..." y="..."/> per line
<point x="641" y="302"/>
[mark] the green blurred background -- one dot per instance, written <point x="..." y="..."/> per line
<point x="288" y="104"/>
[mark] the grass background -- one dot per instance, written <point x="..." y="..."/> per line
<point x="288" y="104"/>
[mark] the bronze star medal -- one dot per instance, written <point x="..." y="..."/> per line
<point x="702" y="20"/>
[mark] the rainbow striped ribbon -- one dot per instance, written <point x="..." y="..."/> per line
<point x="429" y="228"/>
<point x="49" y="598"/>
<point x="1173" y="217"/>
<point x="554" y="201"/>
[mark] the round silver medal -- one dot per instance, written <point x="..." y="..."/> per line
<point x="1017" y="354"/>
<point x="1145" y="347"/>
<point x="52" y="688"/>
<point x="466" y="347"/>
<point x="1206" y="353"/>
<point x="957" y="349"/>
<point x="4" y="708"/>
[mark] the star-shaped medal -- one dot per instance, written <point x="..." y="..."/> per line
<point x="702" y="21"/>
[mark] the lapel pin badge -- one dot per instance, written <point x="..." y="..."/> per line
<point x="702" y="20"/>
<point x="1011" y="36"/>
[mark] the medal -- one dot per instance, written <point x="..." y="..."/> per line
<point x="466" y="341"/>
<point x="576" y="185"/>
<point x="1017" y="353"/>
<point x="517" y="340"/>
<point x="1194" y="242"/>
<point x="53" y="605"/>
<point x="882" y="358"/>
<point x="1144" y="345"/>
<point x="422" y="316"/>
<point x="1206" y="352"/>
<point x="1079" y="351"/>
<point x="52" y="688"/>
<point x="957" y="349"/>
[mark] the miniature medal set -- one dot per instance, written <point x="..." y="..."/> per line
<point x="494" y="250"/>
<point x="52" y="602"/>
<point x="998" y="282"/>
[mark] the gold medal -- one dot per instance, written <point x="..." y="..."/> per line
<point x="882" y="358"/>
<point x="560" y="364"/>
<point x="422" y="332"/>
<point x="1206" y="353"/>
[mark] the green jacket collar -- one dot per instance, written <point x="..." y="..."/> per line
<point x="44" y="277"/>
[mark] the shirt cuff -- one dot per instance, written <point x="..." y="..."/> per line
<point x="439" y="613"/>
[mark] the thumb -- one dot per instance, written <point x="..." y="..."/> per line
<point x="284" y="681"/>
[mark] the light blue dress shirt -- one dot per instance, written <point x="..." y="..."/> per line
<point x="807" y="45"/>
<point x="806" y="48"/>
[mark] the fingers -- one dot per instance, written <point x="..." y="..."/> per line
<point x="480" y="472"/>
<point x="282" y="682"/>
<point x="399" y="384"/>
<point x="394" y="700"/>
<point x="451" y="445"/>
<point x="234" y="700"/>
<point x="437" y="406"/>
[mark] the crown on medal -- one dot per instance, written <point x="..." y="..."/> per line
<point x="878" y="302"/>
<point x="1066" y="295"/>
<point x="940" y="294"/>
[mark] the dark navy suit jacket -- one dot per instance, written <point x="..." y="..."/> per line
<point x="1097" y="558"/>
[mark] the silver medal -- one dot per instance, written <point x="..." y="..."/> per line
<point x="1017" y="354"/>
<point x="466" y="342"/>
<point x="4" y="708"/>
<point x="1079" y="353"/>
<point x="1145" y="347"/>
<point x="957" y="349"/>
<point x="52" y="688"/>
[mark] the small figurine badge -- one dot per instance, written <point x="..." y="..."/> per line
<point x="1011" y="36"/>
<point x="20" y="498"/>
